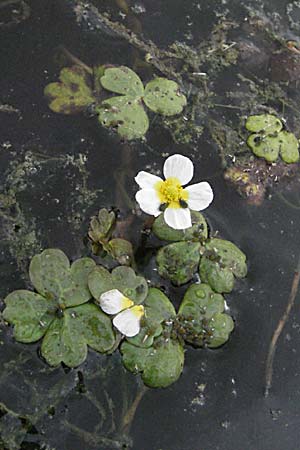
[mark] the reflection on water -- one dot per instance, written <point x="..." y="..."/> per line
<point x="58" y="170"/>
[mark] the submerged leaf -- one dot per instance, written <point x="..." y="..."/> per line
<point x="160" y="365"/>
<point x="52" y="276"/>
<point x="265" y="123"/>
<point x="101" y="226"/>
<point x="73" y="93"/>
<point x="197" y="231"/>
<point x="122" y="278"/>
<point x="126" y="114"/>
<point x="288" y="147"/>
<point x="179" y="261"/>
<point x="164" y="97"/>
<point x="122" y="80"/>
<point x="121" y="250"/>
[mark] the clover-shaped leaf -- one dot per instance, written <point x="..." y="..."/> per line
<point x="201" y="317"/>
<point x="265" y="123"/>
<point x="59" y="311"/>
<point x="266" y="147"/>
<point x="222" y="260"/>
<point x="198" y="230"/>
<point x="73" y="93"/>
<point x="122" y="278"/>
<point x="122" y="80"/>
<point x="68" y="337"/>
<point x="164" y="97"/>
<point x="179" y="261"/>
<point x="160" y="365"/>
<point x="158" y="309"/>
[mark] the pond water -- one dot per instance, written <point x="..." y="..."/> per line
<point x="58" y="170"/>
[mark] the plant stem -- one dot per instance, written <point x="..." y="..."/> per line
<point x="282" y="322"/>
<point x="76" y="60"/>
<point x="129" y="416"/>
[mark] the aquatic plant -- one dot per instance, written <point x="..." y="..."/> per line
<point x="86" y="305"/>
<point x="80" y="90"/>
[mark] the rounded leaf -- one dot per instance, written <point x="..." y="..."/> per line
<point x="126" y="115"/>
<point x="160" y="365"/>
<point x="73" y="93"/>
<point x="179" y="261"/>
<point x="221" y="279"/>
<point x="164" y="97"/>
<point x="219" y="326"/>
<point x="266" y="147"/>
<point x="30" y="313"/>
<point x="123" y="278"/>
<point x="122" y="80"/>
<point x="229" y="255"/>
<point x="288" y="147"/>
<point x="264" y="123"/>
<point x="52" y="276"/>
<point x="197" y="231"/>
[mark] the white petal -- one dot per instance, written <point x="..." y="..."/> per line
<point x="112" y="302"/>
<point x="178" y="218"/>
<point x="128" y="321"/>
<point x="147" y="180"/>
<point x="148" y="201"/>
<point x="180" y="167"/>
<point x="200" y="196"/>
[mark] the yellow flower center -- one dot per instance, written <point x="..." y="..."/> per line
<point x="171" y="192"/>
<point x="126" y="303"/>
<point x="138" y="310"/>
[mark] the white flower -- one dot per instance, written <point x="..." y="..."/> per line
<point x="128" y="316"/>
<point x="169" y="195"/>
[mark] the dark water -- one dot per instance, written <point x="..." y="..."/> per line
<point x="57" y="171"/>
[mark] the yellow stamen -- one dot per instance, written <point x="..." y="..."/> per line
<point x="138" y="311"/>
<point x="171" y="192"/>
<point x="126" y="303"/>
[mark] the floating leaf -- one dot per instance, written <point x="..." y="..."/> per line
<point x="164" y="97"/>
<point x="158" y="309"/>
<point x="123" y="278"/>
<point x="126" y="114"/>
<point x="160" y="365"/>
<point x="220" y="262"/>
<point x="288" y="147"/>
<point x="198" y="231"/>
<point x="52" y="276"/>
<point x="219" y="326"/>
<point x="265" y="123"/>
<point x="266" y="147"/>
<point x="30" y="313"/>
<point x="121" y="250"/>
<point x="179" y="261"/>
<point x="199" y="305"/>
<point x="101" y="226"/>
<point x="73" y="93"/>
<point x="122" y="80"/>
<point x="68" y="337"/>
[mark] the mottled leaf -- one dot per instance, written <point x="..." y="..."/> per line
<point x="101" y="226"/>
<point x="122" y="278"/>
<point x="68" y="337"/>
<point x="122" y="80"/>
<point x="52" y="276"/>
<point x="221" y="279"/>
<point x="179" y="261"/>
<point x="266" y="146"/>
<point x="220" y="326"/>
<point x="160" y="365"/>
<point x="73" y="93"/>
<point x="229" y="255"/>
<point x="30" y="313"/>
<point x="121" y="250"/>
<point x="196" y="232"/>
<point x="126" y="115"/>
<point x="164" y="97"/>
<point x="265" y="123"/>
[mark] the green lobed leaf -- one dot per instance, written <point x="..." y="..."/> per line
<point x="158" y="309"/>
<point x="122" y="80"/>
<point x="121" y="250"/>
<point x="126" y="115"/>
<point x="179" y="261"/>
<point x="73" y="93"/>
<point x="198" y="230"/>
<point x="219" y="326"/>
<point x="221" y="279"/>
<point x="229" y="255"/>
<point x="30" y="313"/>
<point x="123" y="278"/>
<point x="289" y="147"/>
<point x="160" y="365"/>
<point x="52" y="276"/>
<point x="68" y="337"/>
<point x="101" y="226"/>
<point x="265" y="123"/>
<point x="266" y="147"/>
<point x="164" y="97"/>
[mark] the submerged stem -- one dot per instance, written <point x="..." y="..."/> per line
<point x="283" y="320"/>
<point x="129" y="416"/>
<point x="76" y="60"/>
